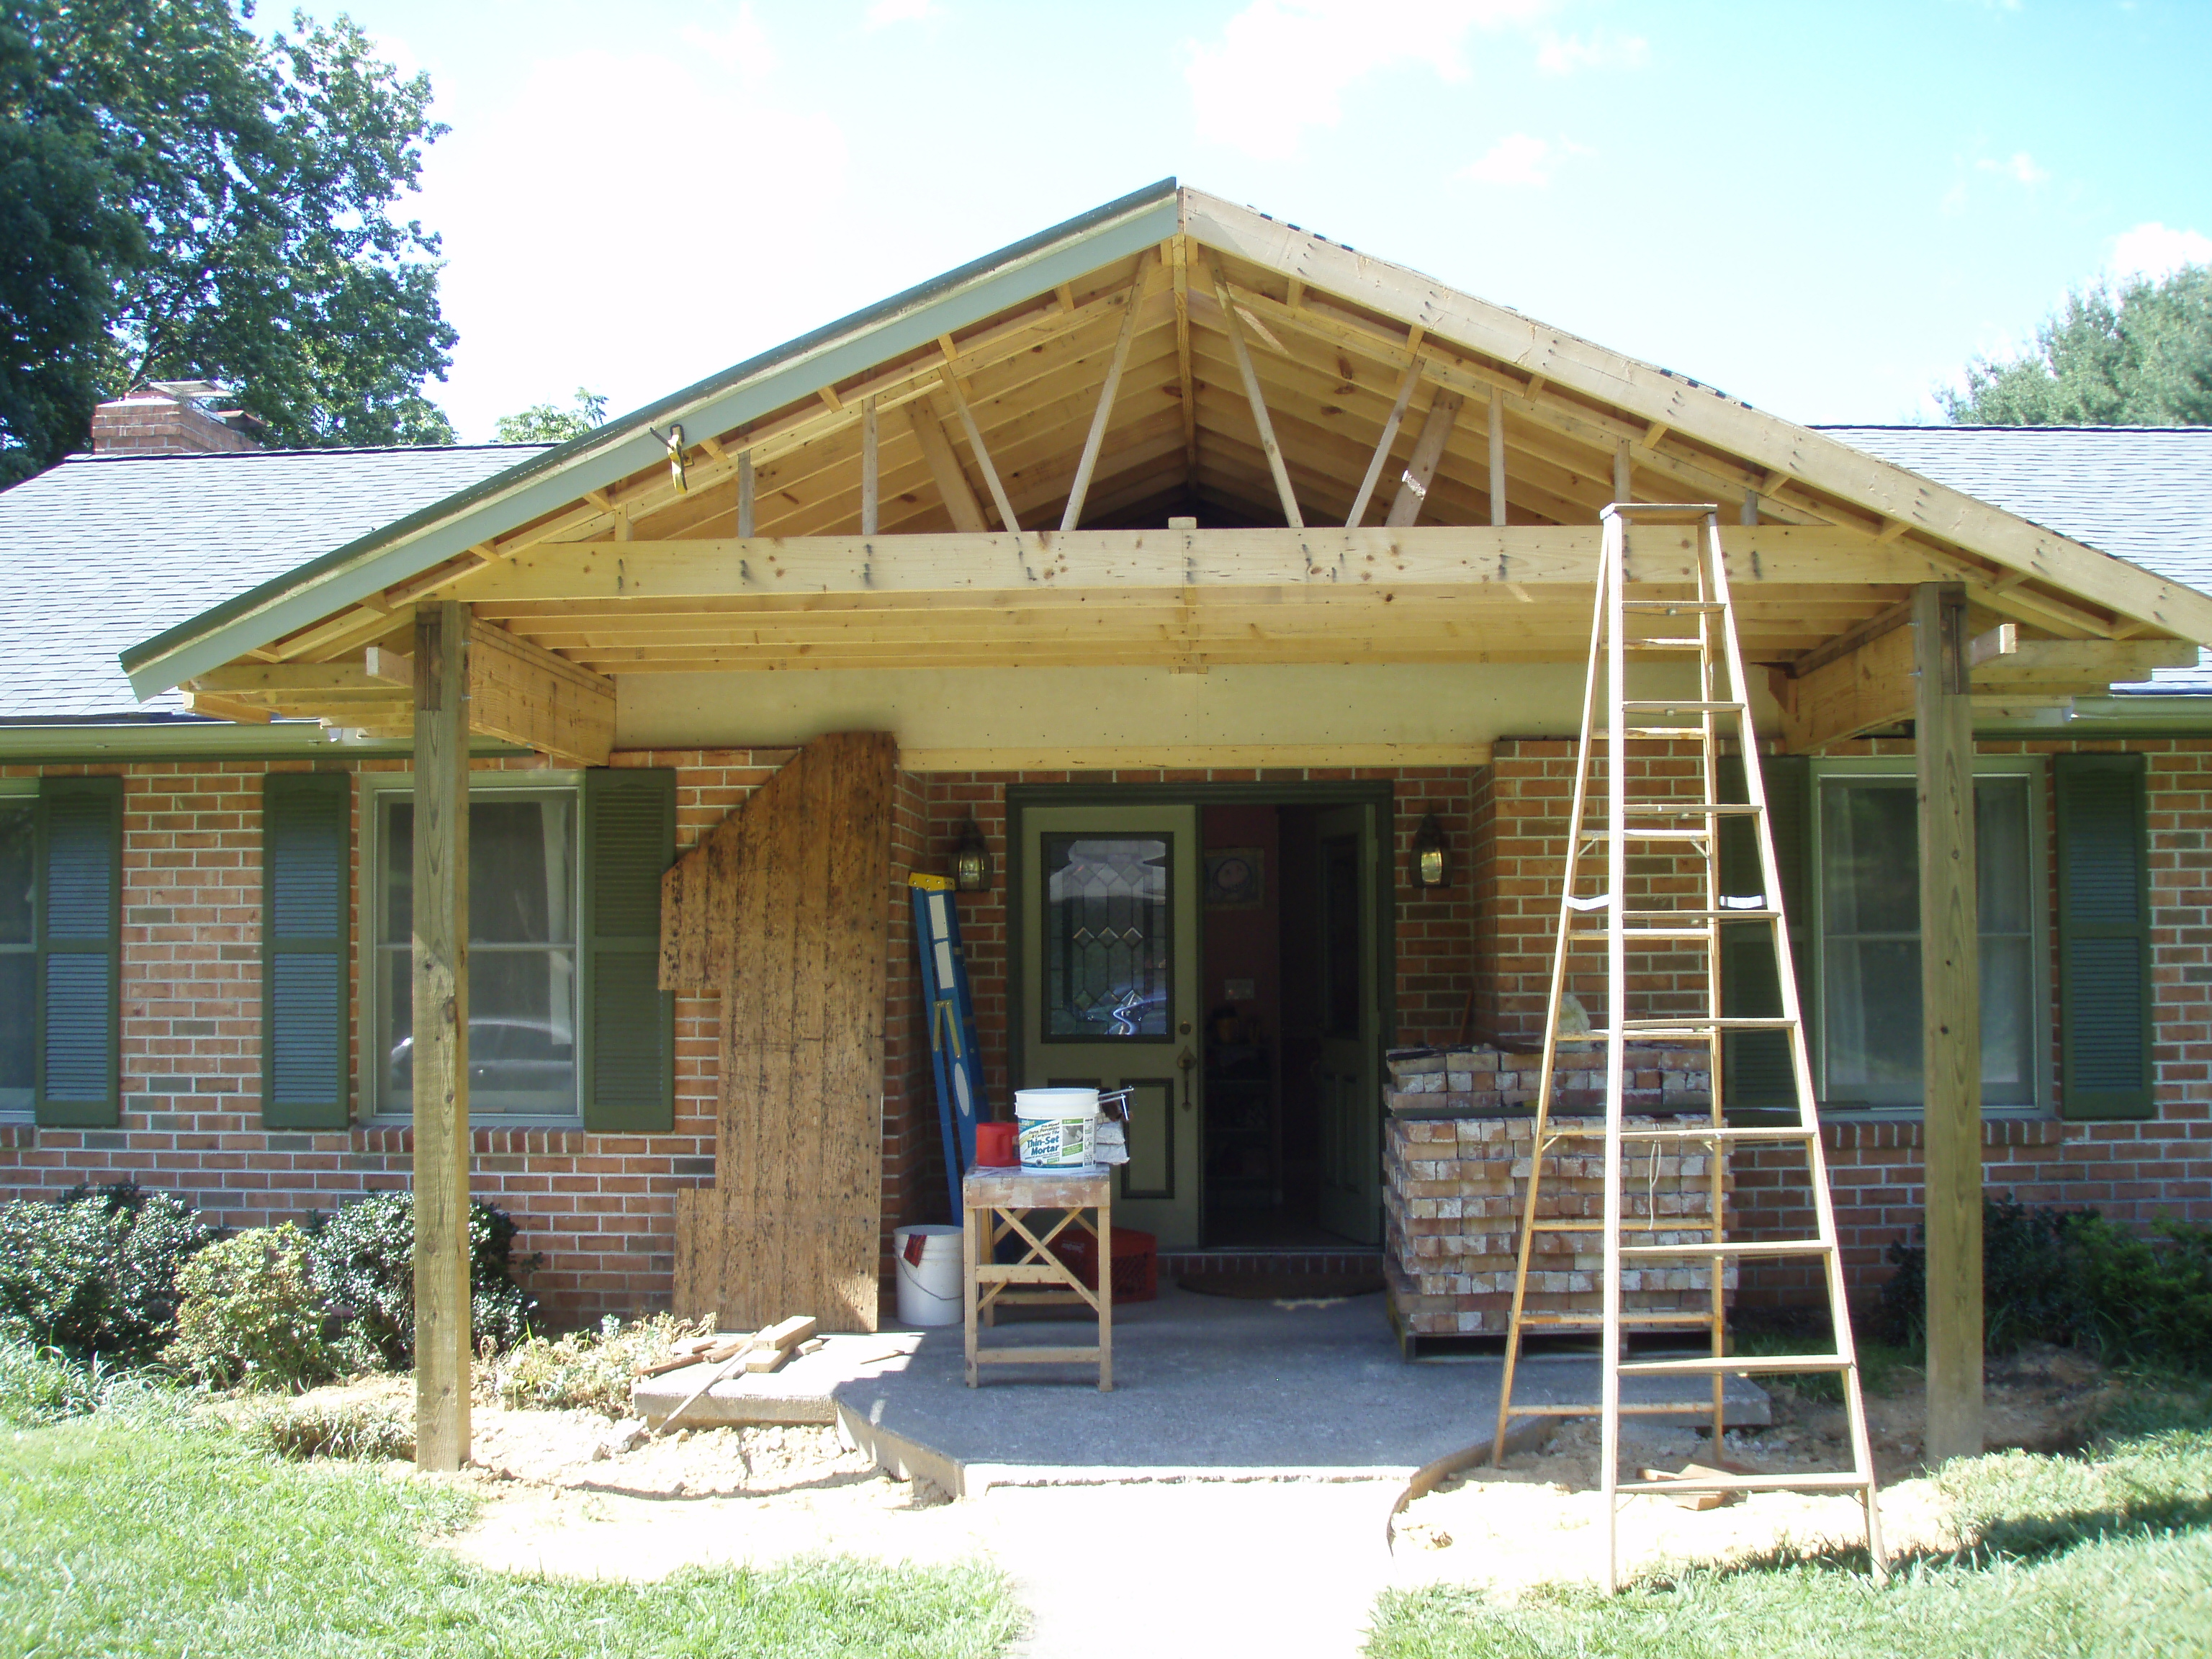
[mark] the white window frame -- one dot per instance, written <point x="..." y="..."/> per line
<point x="374" y="786"/>
<point x="15" y="789"/>
<point x="2035" y="769"/>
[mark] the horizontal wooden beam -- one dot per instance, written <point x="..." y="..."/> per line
<point x="1499" y="558"/>
<point x="1864" y="680"/>
<point x="1189" y="756"/>
<point x="518" y="691"/>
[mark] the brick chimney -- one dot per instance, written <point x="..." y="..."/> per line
<point x="170" y="417"/>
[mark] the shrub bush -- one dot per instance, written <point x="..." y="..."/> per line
<point x="95" y="1272"/>
<point x="249" y="1316"/>
<point x="2071" y="1277"/>
<point x="364" y="1261"/>
<point x="586" y="1370"/>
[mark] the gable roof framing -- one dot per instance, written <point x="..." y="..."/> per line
<point x="1184" y="275"/>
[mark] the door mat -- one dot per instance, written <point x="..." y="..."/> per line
<point x="1279" y="1287"/>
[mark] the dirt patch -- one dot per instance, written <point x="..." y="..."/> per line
<point x="1540" y="1518"/>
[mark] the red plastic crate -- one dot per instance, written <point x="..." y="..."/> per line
<point x="1136" y="1262"/>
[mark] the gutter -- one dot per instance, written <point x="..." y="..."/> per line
<point x="546" y="482"/>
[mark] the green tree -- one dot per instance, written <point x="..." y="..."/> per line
<point x="550" y="423"/>
<point x="228" y="204"/>
<point x="2139" y="356"/>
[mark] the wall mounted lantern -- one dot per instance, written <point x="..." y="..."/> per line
<point x="971" y="860"/>
<point x="1429" y="853"/>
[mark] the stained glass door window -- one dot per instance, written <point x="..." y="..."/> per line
<point x="1108" y="956"/>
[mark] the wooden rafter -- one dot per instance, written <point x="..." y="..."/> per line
<point x="1235" y="330"/>
<point x="1115" y="364"/>
<point x="1390" y="424"/>
<point x="1421" y="466"/>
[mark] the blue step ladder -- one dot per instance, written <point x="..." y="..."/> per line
<point x="953" y="1052"/>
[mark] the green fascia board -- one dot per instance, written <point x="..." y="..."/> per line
<point x="546" y="482"/>
<point x="2144" y="715"/>
<point x="93" y="743"/>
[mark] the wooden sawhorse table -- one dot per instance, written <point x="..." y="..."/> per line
<point x="994" y="1203"/>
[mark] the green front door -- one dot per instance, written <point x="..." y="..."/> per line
<point x="1109" y="993"/>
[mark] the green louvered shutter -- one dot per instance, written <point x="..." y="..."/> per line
<point x="1756" y="1071"/>
<point x="2103" y="937"/>
<point x="306" y="835"/>
<point x="629" y="1054"/>
<point x="80" y="956"/>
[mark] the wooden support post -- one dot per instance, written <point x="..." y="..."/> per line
<point x="1421" y="465"/>
<point x="1623" y="488"/>
<point x="1097" y="439"/>
<point x="1950" y="1020"/>
<point x="1250" y="376"/>
<point x="1006" y="520"/>
<point x="953" y="485"/>
<point x="871" y="470"/>
<point x="746" y="494"/>
<point x="1497" y="455"/>
<point x="1747" y="514"/>
<point x="441" y="1035"/>
<point x="1382" y="456"/>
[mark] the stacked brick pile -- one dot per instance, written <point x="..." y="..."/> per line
<point x="1453" y="1192"/>
<point x="1440" y="1083"/>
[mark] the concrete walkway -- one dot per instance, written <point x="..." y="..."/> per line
<point x="1208" y="1389"/>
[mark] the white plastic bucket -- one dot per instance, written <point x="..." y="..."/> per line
<point x="1059" y="1127"/>
<point x="929" y="1274"/>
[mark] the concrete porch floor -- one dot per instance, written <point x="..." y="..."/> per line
<point x="1209" y="1389"/>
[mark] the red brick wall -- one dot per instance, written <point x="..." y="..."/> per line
<point x="2132" y="1172"/>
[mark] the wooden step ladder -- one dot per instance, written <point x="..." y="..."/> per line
<point x="1627" y="635"/>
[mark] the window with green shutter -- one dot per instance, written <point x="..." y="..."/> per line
<point x="79" y="929"/>
<point x="629" y="1060"/>
<point x="306" y="830"/>
<point x="1755" y="1071"/>
<point x="2103" y="937"/>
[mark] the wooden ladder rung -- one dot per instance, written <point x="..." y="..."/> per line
<point x="1628" y="1322"/>
<point x="1820" y="1480"/>
<point x="1695" y="808"/>
<point x="1748" y="1131"/>
<point x="1678" y="706"/>
<point x="1649" y="832"/>
<point x="1749" y="1247"/>
<point x="1761" y="1364"/>
<point x="1666" y="607"/>
<point x="1724" y="915"/>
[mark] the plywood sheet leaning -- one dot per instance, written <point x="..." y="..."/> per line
<point x="781" y="910"/>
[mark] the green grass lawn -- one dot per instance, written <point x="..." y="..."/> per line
<point x="2109" y="1555"/>
<point x="121" y="1534"/>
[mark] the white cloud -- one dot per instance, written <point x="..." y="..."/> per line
<point x="884" y="13"/>
<point x="2152" y="251"/>
<point x="1565" y="54"/>
<point x="1280" y="66"/>
<point x="626" y="251"/>
<point x="2020" y="165"/>
<point x="1515" y="158"/>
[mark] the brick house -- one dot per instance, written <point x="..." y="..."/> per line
<point x="1048" y="524"/>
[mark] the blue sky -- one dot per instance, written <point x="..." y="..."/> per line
<point x="1824" y="209"/>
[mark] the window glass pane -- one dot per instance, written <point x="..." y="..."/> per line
<point x="2000" y="853"/>
<point x="521" y="881"/>
<point x="19" y="1004"/>
<point x="1106" y="943"/>
<point x="1870" y="888"/>
<point x="17" y="870"/>
<point x="522" y="956"/>
<point x="1870" y="899"/>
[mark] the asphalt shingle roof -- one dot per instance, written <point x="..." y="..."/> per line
<point x="2142" y="494"/>
<point x="104" y="550"/>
